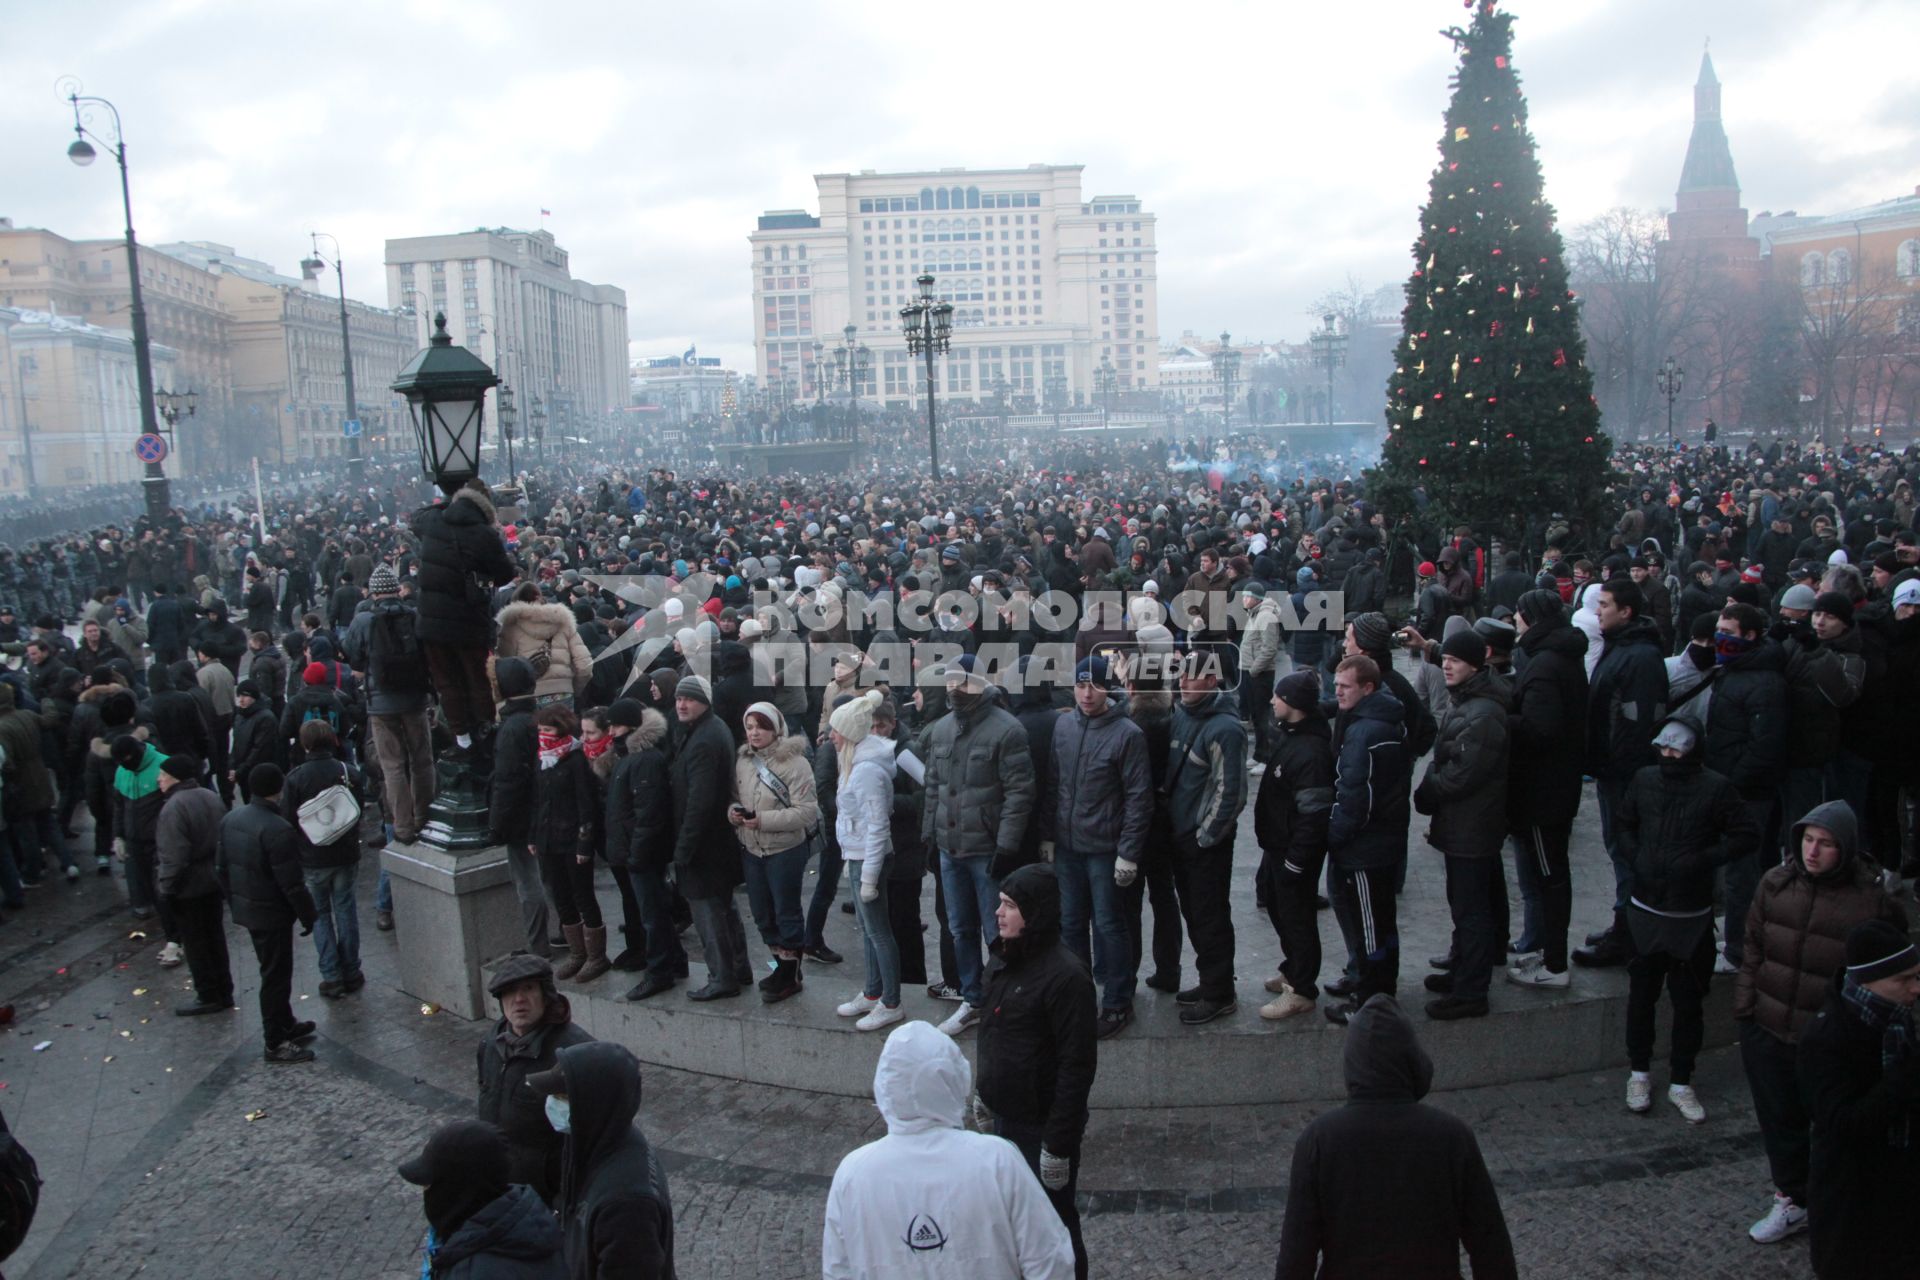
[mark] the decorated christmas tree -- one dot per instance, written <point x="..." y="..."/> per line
<point x="1490" y="407"/>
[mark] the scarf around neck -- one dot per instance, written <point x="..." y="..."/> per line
<point x="554" y="748"/>
<point x="1894" y="1022"/>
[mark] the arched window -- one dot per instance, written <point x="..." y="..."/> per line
<point x="1839" y="266"/>
<point x="940" y="198"/>
<point x="926" y="198"/>
<point x="973" y="224"/>
<point x="1906" y="259"/>
<point x="973" y="197"/>
<point x="1813" y="271"/>
<point x="959" y="197"/>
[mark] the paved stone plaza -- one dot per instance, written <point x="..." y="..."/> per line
<point x="170" y="1150"/>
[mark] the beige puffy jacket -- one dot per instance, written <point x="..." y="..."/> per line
<point x="527" y="628"/>
<point x="780" y="828"/>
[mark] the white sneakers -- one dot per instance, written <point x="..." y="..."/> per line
<point x="1784" y="1219"/>
<point x="171" y="955"/>
<point x="1289" y="1004"/>
<point x="1278" y="984"/>
<point x="1639" y="1094"/>
<point x="1687" y="1102"/>
<point x="857" y="1006"/>
<point x="1723" y="965"/>
<point x="880" y="1016"/>
<point x="1530" y="970"/>
<point x="964" y="1019"/>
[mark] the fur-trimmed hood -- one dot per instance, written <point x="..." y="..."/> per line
<point x="650" y="732"/>
<point x="481" y="505"/>
<point x="782" y="750"/>
<point x="543" y="622"/>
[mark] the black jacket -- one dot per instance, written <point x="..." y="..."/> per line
<point x="256" y="739"/>
<point x="512" y="1238"/>
<point x="566" y="812"/>
<point x="1296" y="794"/>
<point x="323" y="770"/>
<point x="1860" y="1182"/>
<point x="1747" y="721"/>
<point x="1386" y="1187"/>
<point x="506" y="1101"/>
<point x="218" y="636"/>
<point x="1036" y="1041"/>
<point x="516" y="758"/>
<point x="1547" y="725"/>
<point x="706" y="856"/>
<point x="1367" y="829"/>
<point x="1097" y="787"/>
<point x="639" y="817"/>
<point x="167" y="621"/>
<point x="1626" y="698"/>
<point x="1153" y="711"/>
<point x="177" y="723"/>
<point x="258" y="866"/>
<point x="1465" y="788"/>
<point x="462" y="557"/>
<point x="614" y="1205"/>
<point x="1677" y="822"/>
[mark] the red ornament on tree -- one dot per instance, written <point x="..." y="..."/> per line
<point x="1559" y="358"/>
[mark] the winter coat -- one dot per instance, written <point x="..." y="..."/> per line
<point x="462" y="557"/>
<point x="1822" y="681"/>
<point x="782" y="826"/>
<point x="1386" y="1187"/>
<point x="614" y="1205"/>
<point x="167" y="621"/>
<point x="1296" y="793"/>
<point x="268" y="668"/>
<point x="1796" y="939"/>
<point x="863" y="802"/>
<point x="256" y="739"/>
<point x="1676" y="823"/>
<point x="323" y="770"/>
<point x="733" y="687"/>
<point x="1099" y="797"/>
<point x="529" y="628"/>
<point x="1626" y="699"/>
<point x="1206" y="771"/>
<point x="383" y="697"/>
<point x="1860" y="1182"/>
<point x="511" y="1238"/>
<point x="1364" y="589"/>
<point x="979" y="782"/>
<point x="1152" y="710"/>
<point x="1432" y="607"/>
<point x="1367" y="828"/>
<point x="1465" y="788"/>
<point x="1033" y="707"/>
<point x="566" y="808"/>
<point x="220" y="638"/>
<point x="533" y="1145"/>
<point x="639" y="818"/>
<point x="973" y="1209"/>
<point x="1036" y="1040"/>
<point x="86" y="660"/>
<point x="1747" y="721"/>
<point x="706" y="855"/>
<point x="258" y="866"/>
<point x="1547" y="726"/>
<point x="27" y="787"/>
<point x="136" y="801"/>
<point x="1260" y="643"/>
<point x="185" y="838"/>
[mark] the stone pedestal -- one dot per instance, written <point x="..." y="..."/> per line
<point x="453" y="913"/>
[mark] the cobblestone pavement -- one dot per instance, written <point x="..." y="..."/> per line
<point x="170" y="1150"/>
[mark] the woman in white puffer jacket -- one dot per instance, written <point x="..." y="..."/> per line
<point x="864" y="827"/>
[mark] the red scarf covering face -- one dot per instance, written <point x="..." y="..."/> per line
<point x="554" y="748"/>
<point x="595" y="748"/>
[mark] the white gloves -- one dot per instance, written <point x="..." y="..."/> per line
<point x="1046" y="851"/>
<point x="1124" y="872"/>
<point x="1054" y="1170"/>
<point x="869" y="892"/>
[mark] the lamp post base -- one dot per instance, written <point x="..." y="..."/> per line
<point x="159" y="495"/>
<point x="456" y="911"/>
<point x="457" y="818"/>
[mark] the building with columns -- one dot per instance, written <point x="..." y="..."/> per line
<point x="510" y="297"/>
<point x="70" y="402"/>
<point x="1045" y="282"/>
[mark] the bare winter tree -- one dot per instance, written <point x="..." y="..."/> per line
<point x="1369" y="318"/>
<point x="1856" y="350"/>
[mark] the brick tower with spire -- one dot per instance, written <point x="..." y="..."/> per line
<point x="1707" y="222"/>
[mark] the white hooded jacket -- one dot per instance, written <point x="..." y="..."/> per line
<point x="931" y="1199"/>
<point x="863" y="821"/>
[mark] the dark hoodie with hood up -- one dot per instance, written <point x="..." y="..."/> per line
<point x="1036" y="1040"/>
<point x="1387" y="1188"/>
<point x="613" y="1206"/>
<point x="510" y="1237"/>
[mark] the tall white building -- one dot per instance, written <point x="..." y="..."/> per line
<point x="1045" y="283"/>
<point x="509" y="297"/>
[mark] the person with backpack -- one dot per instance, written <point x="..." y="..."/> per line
<point x="384" y="643"/>
<point x="322" y="797"/>
<point x="317" y="702"/>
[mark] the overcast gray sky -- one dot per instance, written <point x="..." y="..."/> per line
<point x="1284" y="145"/>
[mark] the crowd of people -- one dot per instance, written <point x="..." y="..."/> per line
<point x="1056" y="692"/>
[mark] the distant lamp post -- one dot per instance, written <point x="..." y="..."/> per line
<point x="1105" y="379"/>
<point x="175" y="405"/>
<point x="928" y="324"/>
<point x="508" y="415"/>
<point x="1226" y="369"/>
<point x="851" y="361"/>
<point x="1668" y="382"/>
<point x="446" y="390"/>
<point x="310" y="268"/>
<point x="1329" y="349"/>
<point x="1056" y="390"/>
<point x="81" y="152"/>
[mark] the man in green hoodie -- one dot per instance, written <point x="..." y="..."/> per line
<point x="137" y="799"/>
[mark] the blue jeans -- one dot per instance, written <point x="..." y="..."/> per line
<point x="883" y="952"/>
<point x="1087" y="890"/>
<point x="773" y="893"/>
<point x="825" y="889"/>
<point x="336" y="931"/>
<point x="972" y="898"/>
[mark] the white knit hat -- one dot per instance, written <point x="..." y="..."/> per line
<point x="772" y="715"/>
<point x="854" y="720"/>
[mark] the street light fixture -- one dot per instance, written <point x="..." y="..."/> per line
<point x="446" y="389"/>
<point x="1056" y="389"/>
<point x="851" y="361"/>
<point x="1330" y="349"/>
<point x="81" y="152"/>
<point x="1668" y="381"/>
<point x="1226" y="368"/>
<point x="1105" y="379"/>
<point x="928" y="325"/>
<point x="310" y="268"/>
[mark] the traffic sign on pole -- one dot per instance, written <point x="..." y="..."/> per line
<point x="150" y="448"/>
<point x="351" y="427"/>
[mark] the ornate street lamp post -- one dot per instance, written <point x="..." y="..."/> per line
<point x="1668" y="381"/>
<point x="1105" y="379"/>
<point x="1226" y="367"/>
<point x="1330" y="349"/>
<point x="851" y="361"/>
<point x="929" y="328"/>
<point x="311" y="268"/>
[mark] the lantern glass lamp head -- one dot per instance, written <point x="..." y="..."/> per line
<point x="446" y="389"/>
<point x="81" y="152"/>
